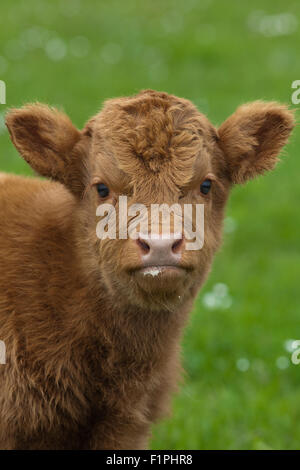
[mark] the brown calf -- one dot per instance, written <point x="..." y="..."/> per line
<point x="92" y="327"/>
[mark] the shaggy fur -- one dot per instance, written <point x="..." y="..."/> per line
<point x="92" y="347"/>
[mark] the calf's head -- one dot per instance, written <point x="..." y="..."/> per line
<point x="138" y="154"/>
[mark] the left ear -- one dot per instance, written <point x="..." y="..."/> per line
<point x="253" y="137"/>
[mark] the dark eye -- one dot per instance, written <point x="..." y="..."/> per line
<point x="102" y="189"/>
<point x="205" y="186"/>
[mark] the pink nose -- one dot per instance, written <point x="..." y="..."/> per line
<point x="157" y="250"/>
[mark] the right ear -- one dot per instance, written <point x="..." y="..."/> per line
<point x="253" y="137"/>
<point x="50" y="143"/>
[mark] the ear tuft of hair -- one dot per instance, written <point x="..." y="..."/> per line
<point x="45" y="138"/>
<point x="253" y="137"/>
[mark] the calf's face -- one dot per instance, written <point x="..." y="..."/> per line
<point x="151" y="176"/>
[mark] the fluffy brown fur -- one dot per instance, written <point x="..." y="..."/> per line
<point x="92" y="347"/>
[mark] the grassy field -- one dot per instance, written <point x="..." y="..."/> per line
<point x="241" y="390"/>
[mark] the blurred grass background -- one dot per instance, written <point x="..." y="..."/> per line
<point x="241" y="390"/>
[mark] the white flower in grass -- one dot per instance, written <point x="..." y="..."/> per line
<point x="243" y="364"/>
<point x="34" y="37"/>
<point x="281" y="24"/>
<point x="56" y="49"/>
<point x="218" y="298"/>
<point x="290" y="345"/>
<point x="282" y="362"/>
<point x="230" y="225"/>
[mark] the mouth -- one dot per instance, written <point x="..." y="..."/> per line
<point x="159" y="271"/>
<point x="161" y="282"/>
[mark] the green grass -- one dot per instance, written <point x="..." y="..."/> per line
<point x="213" y="53"/>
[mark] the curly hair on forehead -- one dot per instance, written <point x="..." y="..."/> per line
<point x="157" y="131"/>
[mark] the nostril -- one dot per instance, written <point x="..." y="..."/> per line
<point x="143" y="245"/>
<point x="177" y="245"/>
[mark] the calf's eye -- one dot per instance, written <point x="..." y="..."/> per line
<point x="205" y="186"/>
<point x="102" y="189"/>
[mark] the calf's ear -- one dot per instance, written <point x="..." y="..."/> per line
<point x="253" y="137"/>
<point x="49" y="142"/>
